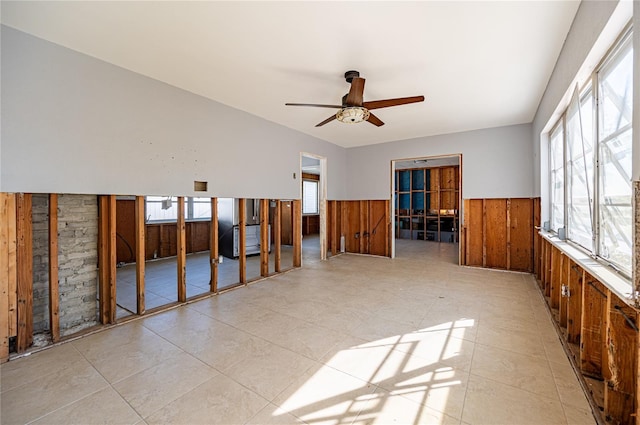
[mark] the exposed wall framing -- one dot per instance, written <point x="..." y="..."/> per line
<point x="599" y="330"/>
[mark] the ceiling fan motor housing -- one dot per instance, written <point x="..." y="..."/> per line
<point x="350" y="75"/>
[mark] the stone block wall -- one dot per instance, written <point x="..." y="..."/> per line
<point x="40" y="219"/>
<point x="78" y="261"/>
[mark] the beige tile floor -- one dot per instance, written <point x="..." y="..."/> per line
<point x="353" y="340"/>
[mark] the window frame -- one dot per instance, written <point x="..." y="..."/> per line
<point x="317" y="197"/>
<point x="592" y="84"/>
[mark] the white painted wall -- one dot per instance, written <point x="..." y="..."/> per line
<point x="74" y="124"/>
<point x="594" y="29"/>
<point x="496" y="162"/>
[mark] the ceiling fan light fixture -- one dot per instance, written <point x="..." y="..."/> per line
<point x="352" y="114"/>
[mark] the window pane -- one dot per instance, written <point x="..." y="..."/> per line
<point x="580" y="185"/>
<point x="616" y="91"/>
<point x="557" y="179"/>
<point x="614" y="150"/>
<point x="201" y="208"/>
<point x="162" y="208"/>
<point x="309" y="197"/>
<point x="615" y="200"/>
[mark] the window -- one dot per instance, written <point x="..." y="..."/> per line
<point x="310" y="197"/>
<point x="614" y="121"/>
<point x="165" y="208"/>
<point x="580" y="164"/>
<point x="592" y="185"/>
<point x="556" y="165"/>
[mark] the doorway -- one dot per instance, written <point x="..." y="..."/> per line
<point x="313" y="192"/>
<point x="426" y="207"/>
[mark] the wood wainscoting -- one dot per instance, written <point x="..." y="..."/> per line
<point x="365" y="225"/>
<point x="499" y="233"/>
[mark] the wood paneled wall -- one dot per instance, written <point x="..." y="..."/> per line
<point x="498" y="233"/>
<point x="365" y="225"/>
<point x="160" y="238"/>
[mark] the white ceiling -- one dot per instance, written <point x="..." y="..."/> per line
<point x="479" y="64"/>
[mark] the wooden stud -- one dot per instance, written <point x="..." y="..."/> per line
<point x="214" y="253"/>
<point x="103" y="258"/>
<point x="554" y="301"/>
<point x="574" y="307"/>
<point x="508" y="234"/>
<point x="535" y="237"/>
<point x="265" y="243"/>
<point x="484" y="233"/>
<point x="333" y="223"/>
<point x="592" y="329"/>
<point x="181" y="240"/>
<point x="107" y="258"/>
<point x="277" y="236"/>
<point x="297" y="233"/>
<point x="54" y="284"/>
<point x="387" y="228"/>
<point x="112" y="259"/>
<point x="621" y="356"/>
<point x="563" y="283"/>
<point x="242" y="236"/>
<point x="5" y="243"/>
<point x="13" y="265"/>
<point x="363" y="226"/>
<point x="547" y="270"/>
<point x="140" y="229"/>
<point x="24" y="233"/>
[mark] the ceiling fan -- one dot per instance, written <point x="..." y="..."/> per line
<point x="354" y="109"/>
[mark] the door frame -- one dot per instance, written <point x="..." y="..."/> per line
<point x="322" y="199"/>
<point x="392" y="204"/>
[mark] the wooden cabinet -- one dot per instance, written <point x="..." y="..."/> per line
<point x="427" y="203"/>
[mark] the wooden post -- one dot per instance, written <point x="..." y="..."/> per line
<point x="54" y="298"/>
<point x="277" y="235"/>
<point x="547" y="270"/>
<point x="112" y="259"/>
<point x="107" y="258"/>
<point x="335" y="237"/>
<point x="265" y="243"/>
<point x="13" y="265"/>
<point x="181" y="240"/>
<point x="7" y="219"/>
<point x="564" y="282"/>
<point x="387" y="228"/>
<point x="554" y="301"/>
<point x="297" y="233"/>
<point x="140" y="253"/>
<point x="574" y="307"/>
<point x="364" y="227"/>
<point x="484" y="233"/>
<point x="592" y="329"/>
<point x="24" y="233"/>
<point x="622" y="350"/>
<point x="508" y="233"/>
<point x="213" y="246"/>
<point x="242" y="236"/>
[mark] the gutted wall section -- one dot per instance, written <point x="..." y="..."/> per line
<point x="78" y="260"/>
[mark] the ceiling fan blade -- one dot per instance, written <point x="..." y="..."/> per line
<point x="314" y="105"/>
<point x="331" y="118"/>
<point x="377" y="104"/>
<point x="354" y="98"/>
<point x="374" y="120"/>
